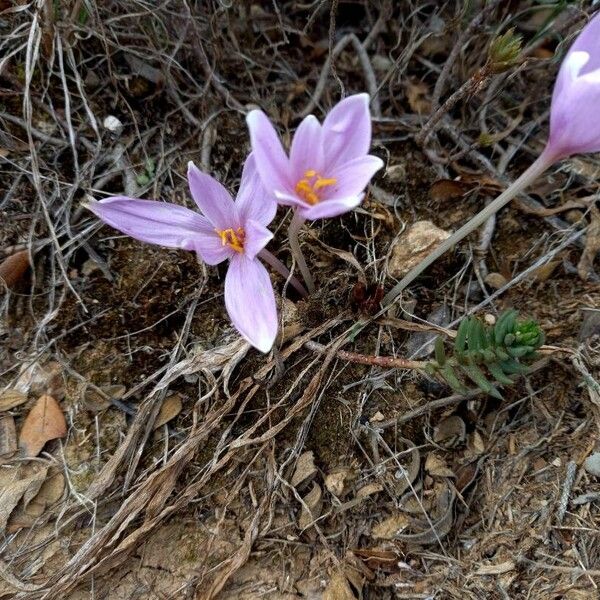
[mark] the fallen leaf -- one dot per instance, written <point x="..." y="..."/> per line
<point x="14" y="267"/>
<point x="305" y="469"/>
<point x="51" y="490"/>
<point x="8" y="435"/>
<point x="14" y="484"/>
<point x="389" y="528"/>
<point x="444" y="190"/>
<point x="11" y="398"/>
<point x="437" y="467"/>
<point x="44" y="422"/>
<point x="544" y="272"/>
<point x="311" y="510"/>
<point x="338" y="588"/>
<point x="96" y="400"/>
<point x="170" y="408"/>
<point x="40" y="379"/>
<point x="450" y="431"/>
<point x="495" y="280"/>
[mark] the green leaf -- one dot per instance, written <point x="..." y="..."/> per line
<point x="477" y="376"/>
<point x="461" y="337"/>
<point x="496" y="370"/>
<point x="440" y="354"/>
<point x="448" y="374"/>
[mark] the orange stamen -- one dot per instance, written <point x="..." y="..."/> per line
<point x="309" y="186"/>
<point x="233" y="239"/>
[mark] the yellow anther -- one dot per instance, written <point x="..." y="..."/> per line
<point x="322" y="182"/>
<point x="308" y="187"/>
<point x="233" y="239"/>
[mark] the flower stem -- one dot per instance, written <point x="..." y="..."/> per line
<point x="283" y="271"/>
<point x="533" y="172"/>
<point x="295" y="225"/>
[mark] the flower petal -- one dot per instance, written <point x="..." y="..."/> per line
<point x="331" y="208"/>
<point x="347" y="131"/>
<point x="306" y="152"/>
<point x="154" y="222"/>
<point x="250" y="301"/>
<point x="257" y="237"/>
<point x="352" y="177"/>
<point x="253" y="201"/>
<point x="271" y="161"/>
<point x="212" y="199"/>
<point x="589" y="41"/>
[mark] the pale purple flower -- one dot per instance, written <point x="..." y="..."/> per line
<point x="328" y="166"/>
<point x="574" y="120"/>
<point x="226" y="230"/>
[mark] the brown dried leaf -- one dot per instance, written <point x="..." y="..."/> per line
<point x="444" y="190"/>
<point x="14" y="267"/>
<point x="8" y="435"/>
<point x="389" y="528"/>
<point x="338" y="588"/>
<point x="14" y="484"/>
<point x="51" y="490"/>
<point x="450" y="431"/>
<point x="44" y="422"/>
<point x="437" y="467"/>
<point x="305" y="469"/>
<point x="11" y="398"/>
<point x="40" y="379"/>
<point x="170" y="408"/>
<point x="313" y="502"/>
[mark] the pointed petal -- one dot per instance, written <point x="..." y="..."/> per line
<point x="589" y="41"/>
<point x="271" y="162"/>
<point x="353" y="177"/>
<point x="347" y="131"/>
<point x="212" y="198"/>
<point x="250" y="301"/>
<point x="287" y="199"/>
<point x="154" y="222"/>
<point x="253" y="201"/>
<point x="257" y="237"/>
<point x="306" y="152"/>
<point x="331" y="208"/>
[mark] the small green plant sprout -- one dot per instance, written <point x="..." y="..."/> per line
<point x="482" y="352"/>
<point x="505" y="51"/>
<point x="149" y="172"/>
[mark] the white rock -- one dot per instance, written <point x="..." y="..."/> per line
<point x="113" y="125"/>
<point x="413" y="246"/>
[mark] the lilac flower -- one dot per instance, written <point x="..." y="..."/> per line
<point x="574" y="129"/>
<point x="328" y="166"/>
<point x="574" y="125"/>
<point x="227" y="230"/>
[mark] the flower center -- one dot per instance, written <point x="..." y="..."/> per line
<point x="310" y="187"/>
<point x="232" y="238"/>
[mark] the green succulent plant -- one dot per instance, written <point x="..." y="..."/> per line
<point x="482" y="352"/>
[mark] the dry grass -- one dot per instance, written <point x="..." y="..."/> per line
<point x="300" y="474"/>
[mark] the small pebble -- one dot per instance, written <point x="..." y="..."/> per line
<point x="592" y="464"/>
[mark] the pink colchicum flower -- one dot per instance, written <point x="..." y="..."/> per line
<point x="226" y="230"/>
<point x="574" y="124"/>
<point x="328" y="166"/>
<point x="574" y="129"/>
